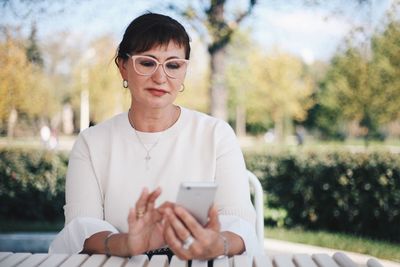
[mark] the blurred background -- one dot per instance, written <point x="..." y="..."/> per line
<point x="312" y="89"/>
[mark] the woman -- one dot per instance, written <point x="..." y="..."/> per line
<point x="139" y="159"/>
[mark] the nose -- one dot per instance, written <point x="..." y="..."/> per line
<point x="159" y="76"/>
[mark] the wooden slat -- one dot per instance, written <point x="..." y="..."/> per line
<point x="95" y="260"/>
<point x="33" y="260"/>
<point x="283" y="261"/>
<point x="4" y="255"/>
<point x="14" y="259"/>
<point x="199" y="263"/>
<point x="324" y="260"/>
<point x="303" y="260"/>
<point x="114" y="262"/>
<point x="176" y="262"/>
<point x="75" y="260"/>
<point x="241" y="261"/>
<point x="54" y="260"/>
<point x="374" y="263"/>
<point x="158" y="261"/>
<point x="343" y="260"/>
<point x="138" y="261"/>
<point x="223" y="262"/>
<point x="262" y="260"/>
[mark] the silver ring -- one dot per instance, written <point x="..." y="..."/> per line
<point x="188" y="242"/>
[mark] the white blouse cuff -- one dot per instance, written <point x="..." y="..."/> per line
<point x="72" y="237"/>
<point x="245" y="230"/>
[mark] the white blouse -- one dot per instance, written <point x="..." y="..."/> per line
<point x="107" y="171"/>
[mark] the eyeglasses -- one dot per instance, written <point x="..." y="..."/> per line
<point x="174" y="68"/>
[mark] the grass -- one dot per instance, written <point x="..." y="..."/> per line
<point x="257" y="144"/>
<point x="376" y="248"/>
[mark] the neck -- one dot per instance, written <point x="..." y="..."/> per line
<point x="155" y="120"/>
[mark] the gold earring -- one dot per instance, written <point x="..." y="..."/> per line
<point x="182" y="88"/>
<point x="125" y="83"/>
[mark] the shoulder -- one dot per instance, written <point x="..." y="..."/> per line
<point x="106" y="128"/>
<point x="204" y="120"/>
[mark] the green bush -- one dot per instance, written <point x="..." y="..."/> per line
<point x="334" y="190"/>
<point x="31" y="184"/>
<point x="326" y="190"/>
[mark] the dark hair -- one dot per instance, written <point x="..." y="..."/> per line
<point x="150" y="30"/>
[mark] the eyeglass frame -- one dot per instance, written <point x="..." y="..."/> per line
<point x="133" y="57"/>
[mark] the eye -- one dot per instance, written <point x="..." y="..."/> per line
<point x="147" y="62"/>
<point x="174" y="64"/>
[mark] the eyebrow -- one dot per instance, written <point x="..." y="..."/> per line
<point x="173" y="57"/>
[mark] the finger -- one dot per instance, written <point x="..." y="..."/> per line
<point x="142" y="201"/>
<point x="179" y="228"/>
<point x="152" y="198"/>
<point x="133" y="223"/>
<point x="213" y="222"/>
<point x="190" y="222"/>
<point x="166" y="204"/>
<point x="173" y="242"/>
<point x="132" y="216"/>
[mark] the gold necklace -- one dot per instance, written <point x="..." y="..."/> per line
<point x="147" y="158"/>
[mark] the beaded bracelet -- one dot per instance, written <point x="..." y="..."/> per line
<point x="226" y="246"/>
<point x="106" y="248"/>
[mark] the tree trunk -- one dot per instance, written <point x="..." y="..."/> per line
<point x="240" y="120"/>
<point x="218" y="91"/>
<point x="12" y="121"/>
<point x="67" y="119"/>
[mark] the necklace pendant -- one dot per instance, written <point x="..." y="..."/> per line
<point x="147" y="158"/>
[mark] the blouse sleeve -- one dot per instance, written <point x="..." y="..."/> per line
<point x="84" y="202"/>
<point x="236" y="212"/>
<point x="72" y="237"/>
<point x="243" y="229"/>
<point x="83" y="193"/>
<point x="233" y="193"/>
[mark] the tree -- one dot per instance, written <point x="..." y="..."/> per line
<point x="266" y="89"/>
<point x="33" y="52"/>
<point x="195" y="94"/>
<point x="100" y="76"/>
<point x="15" y="73"/>
<point x="239" y="79"/>
<point x="386" y="65"/>
<point x="24" y="87"/>
<point x="211" y="22"/>
<point x="286" y="90"/>
<point x="363" y="87"/>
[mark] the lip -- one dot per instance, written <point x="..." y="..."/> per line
<point x="157" y="92"/>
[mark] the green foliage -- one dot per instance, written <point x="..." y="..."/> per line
<point x="33" y="52"/>
<point x="95" y="71"/>
<point x="334" y="190"/>
<point x="362" y="83"/>
<point x="31" y="184"/>
<point x="24" y="87"/>
<point x="272" y="87"/>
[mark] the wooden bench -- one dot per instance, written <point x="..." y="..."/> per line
<point x="8" y="259"/>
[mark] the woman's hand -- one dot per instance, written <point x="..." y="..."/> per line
<point x="179" y="225"/>
<point x="145" y="229"/>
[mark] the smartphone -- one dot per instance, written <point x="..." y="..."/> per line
<point x="197" y="198"/>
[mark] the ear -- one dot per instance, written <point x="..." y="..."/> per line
<point x="123" y="70"/>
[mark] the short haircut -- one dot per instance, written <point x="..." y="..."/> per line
<point x="151" y="30"/>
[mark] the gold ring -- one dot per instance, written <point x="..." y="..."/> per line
<point x="140" y="213"/>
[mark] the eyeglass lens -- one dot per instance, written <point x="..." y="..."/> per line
<point x="174" y="68"/>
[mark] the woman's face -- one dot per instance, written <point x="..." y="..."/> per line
<point x="156" y="90"/>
